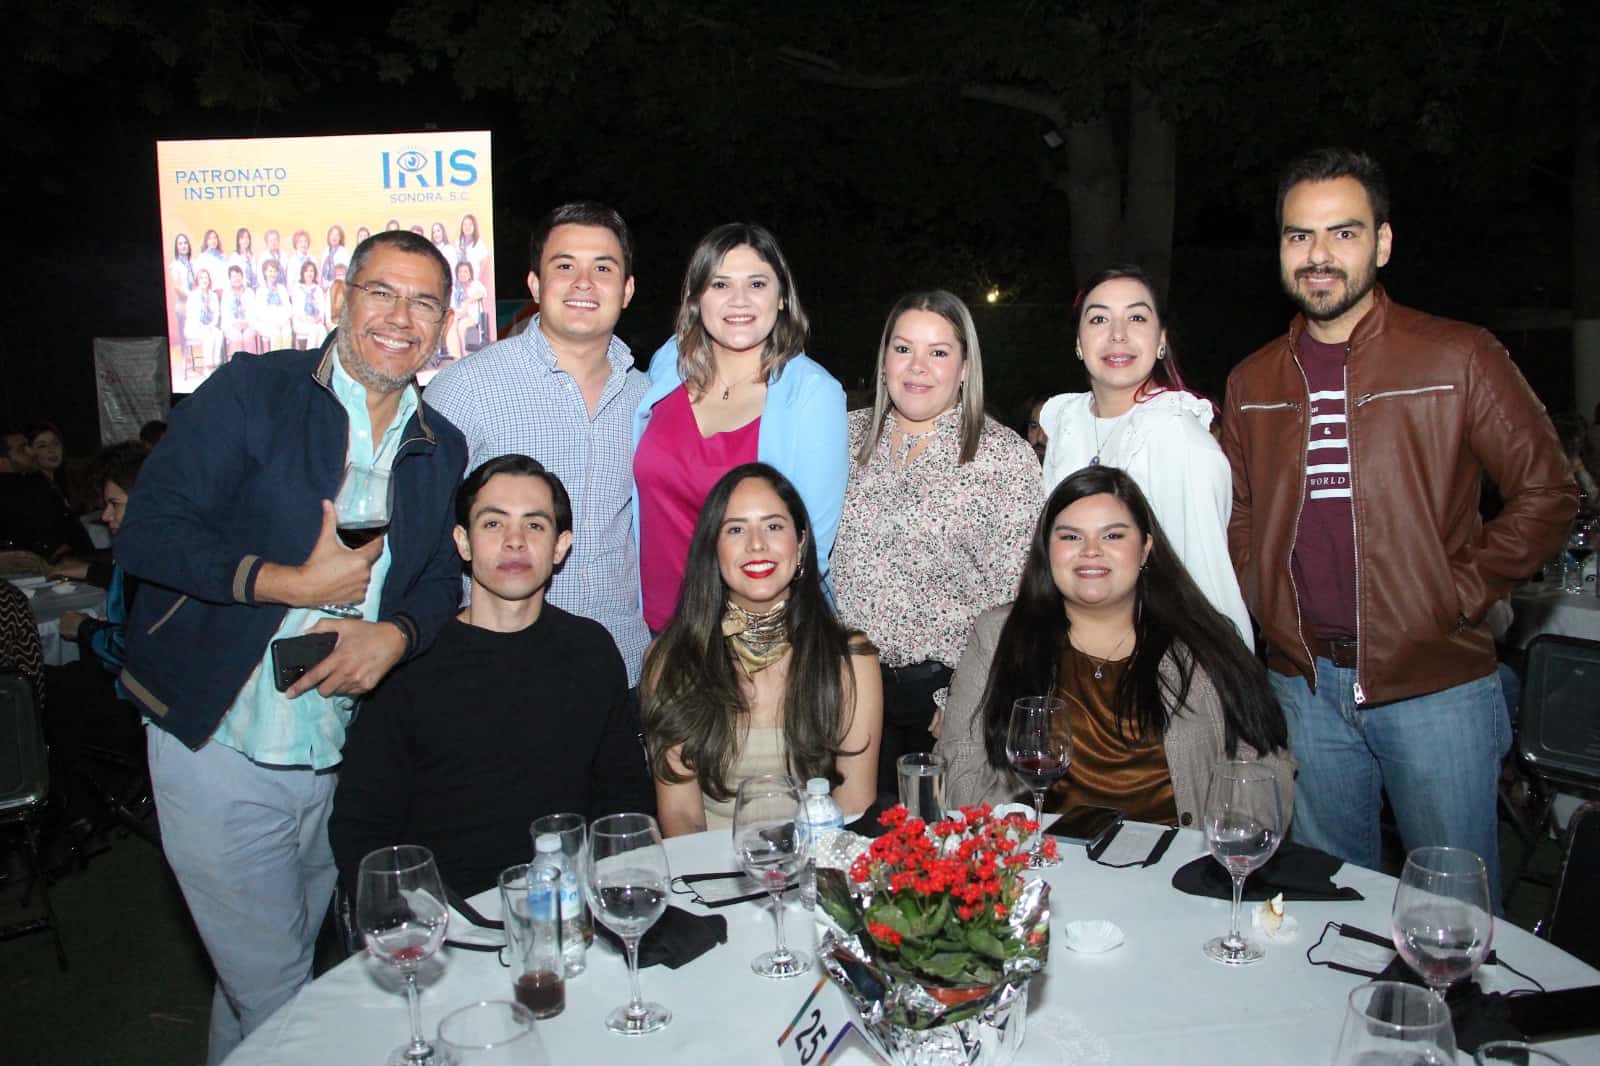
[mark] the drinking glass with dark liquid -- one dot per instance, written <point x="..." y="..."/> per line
<point x="530" y="899"/>
<point x="362" y="509"/>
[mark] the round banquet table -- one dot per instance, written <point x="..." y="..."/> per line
<point x="49" y="601"/>
<point x="1538" y="609"/>
<point x="1154" y="1000"/>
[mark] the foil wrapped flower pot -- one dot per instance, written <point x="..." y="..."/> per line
<point x="933" y="936"/>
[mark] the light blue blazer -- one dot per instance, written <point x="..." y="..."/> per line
<point x="802" y="434"/>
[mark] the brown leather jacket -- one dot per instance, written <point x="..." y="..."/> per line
<point x="1433" y="406"/>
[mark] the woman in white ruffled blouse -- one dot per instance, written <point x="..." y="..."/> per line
<point x="1138" y="417"/>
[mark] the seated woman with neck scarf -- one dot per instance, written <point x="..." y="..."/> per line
<point x="754" y="675"/>
<point x="1158" y="686"/>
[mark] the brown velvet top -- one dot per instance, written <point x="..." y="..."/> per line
<point x="1107" y="769"/>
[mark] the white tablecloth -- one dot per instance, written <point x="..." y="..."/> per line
<point x="1539" y="610"/>
<point x="1156" y="1000"/>
<point x="49" y="602"/>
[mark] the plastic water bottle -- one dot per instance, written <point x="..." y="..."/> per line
<point x="819" y="816"/>
<point x="574" y="954"/>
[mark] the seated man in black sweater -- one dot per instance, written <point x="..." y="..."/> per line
<point x="518" y="710"/>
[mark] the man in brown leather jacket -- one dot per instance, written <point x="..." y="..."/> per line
<point x="1359" y="442"/>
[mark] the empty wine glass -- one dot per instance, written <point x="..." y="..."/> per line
<point x="401" y="910"/>
<point x="1515" y="1053"/>
<point x="1442" y="921"/>
<point x="1391" y="1021"/>
<point x="362" y="511"/>
<point x="1244" y="825"/>
<point x="626" y="877"/>
<point x="1039" y="745"/>
<point x="771" y="852"/>
<point x="491" y="1033"/>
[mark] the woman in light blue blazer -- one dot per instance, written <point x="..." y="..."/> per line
<point x="732" y="386"/>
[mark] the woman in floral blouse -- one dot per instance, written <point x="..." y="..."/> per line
<point x="937" y="516"/>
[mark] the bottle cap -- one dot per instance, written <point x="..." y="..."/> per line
<point x="818" y="786"/>
<point x="545" y="843"/>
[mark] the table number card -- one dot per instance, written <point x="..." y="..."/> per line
<point x="818" y="1027"/>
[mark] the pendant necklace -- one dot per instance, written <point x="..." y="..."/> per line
<point x="1100" y="664"/>
<point x="1099" y="445"/>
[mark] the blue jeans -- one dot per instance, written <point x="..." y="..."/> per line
<point x="249" y="846"/>
<point x="1437" y="756"/>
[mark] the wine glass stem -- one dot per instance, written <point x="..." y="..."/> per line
<point x="419" y="1046"/>
<point x="636" y="1003"/>
<point x="1038" y="820"/>
<point x="777" y="917"/>
<point x="1233" y="923"/>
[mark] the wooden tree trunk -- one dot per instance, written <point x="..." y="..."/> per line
<point x="1094" y="196"/>
<point x="1152" y="187"/>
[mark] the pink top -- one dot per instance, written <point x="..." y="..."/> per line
<point x="675" y="468"/>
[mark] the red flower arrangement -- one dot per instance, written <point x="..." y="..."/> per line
<point x="942" y="899"/>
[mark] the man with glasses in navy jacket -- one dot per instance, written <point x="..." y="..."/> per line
<point x="233" y="536"/>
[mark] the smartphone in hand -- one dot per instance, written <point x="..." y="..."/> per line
<point x="293" y="656"/>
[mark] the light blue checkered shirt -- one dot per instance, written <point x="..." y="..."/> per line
<point x="511" y="398"/>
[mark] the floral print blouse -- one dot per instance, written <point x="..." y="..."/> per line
<point x="925" y="547"/>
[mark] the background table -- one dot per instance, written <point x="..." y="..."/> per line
<point x="1537" y="610"/>
<point x="1155" y="1000"/>
<point x="49" y="602"/>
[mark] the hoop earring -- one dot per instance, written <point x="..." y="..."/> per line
<point x="1161" y="352"/>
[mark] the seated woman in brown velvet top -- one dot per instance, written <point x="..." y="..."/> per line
<point x="1158" y="686"/>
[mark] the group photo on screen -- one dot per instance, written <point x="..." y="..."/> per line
<point x="232" y="289"/>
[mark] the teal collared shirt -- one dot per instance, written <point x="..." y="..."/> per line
<point x="263" y="724"/>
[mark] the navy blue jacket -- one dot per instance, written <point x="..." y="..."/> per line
<point x="238" y="481"/>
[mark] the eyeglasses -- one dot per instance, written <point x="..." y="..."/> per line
<point x="425" y="307"/>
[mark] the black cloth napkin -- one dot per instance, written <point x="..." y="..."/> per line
<point x="1299" y="872"/>
<point x="1477" y="1016"/>
<point x="677" y="939"/>
<point x="868" y="825"/>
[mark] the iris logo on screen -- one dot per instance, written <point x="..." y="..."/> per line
<point x="436" y="175"/>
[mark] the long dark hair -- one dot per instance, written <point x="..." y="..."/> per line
<point x="1172" y="619"/>
<point x="692" y="697"/>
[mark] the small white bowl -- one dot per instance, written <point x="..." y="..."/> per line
<point x="63" y="589"/>
<point x="1094" y="937"/>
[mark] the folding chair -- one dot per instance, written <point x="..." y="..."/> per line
<point x="24" y="787"/>
<point x="1570" y="924"/>
<point x="1558" y="725"/>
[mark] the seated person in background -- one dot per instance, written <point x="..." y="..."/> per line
<point x="1158" y="685"/>
<point x="1574" y="434"/>
<point x="754" y="674"/>
<point x="86" y="705"/>
<point x="518" y="710"/>
<point x="34" y="517"/>
<point x="20" y="652"/>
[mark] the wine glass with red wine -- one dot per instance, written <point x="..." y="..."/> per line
<point x="401" y="911"/>
<point x="362" y="510"/>
<point x="1039" y="745"/>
